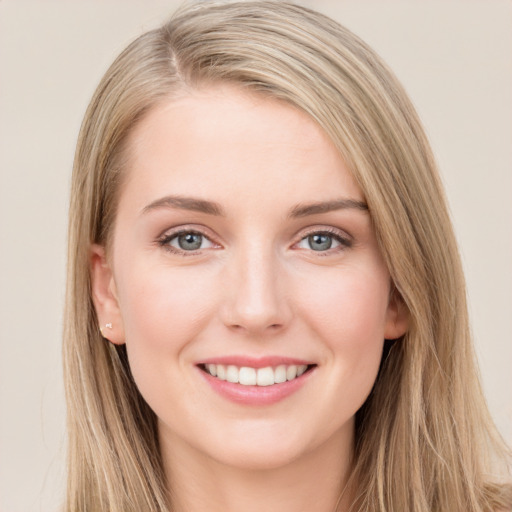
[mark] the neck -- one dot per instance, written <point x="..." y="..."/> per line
<point x="315" y="481"/>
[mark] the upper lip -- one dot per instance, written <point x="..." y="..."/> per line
<point x="255" y="362"/>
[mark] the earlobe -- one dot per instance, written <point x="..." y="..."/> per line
<point x="397" y="317"/>
<point x="104" y="296"/>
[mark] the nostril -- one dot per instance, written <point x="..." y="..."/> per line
<point x="271" y="327"/>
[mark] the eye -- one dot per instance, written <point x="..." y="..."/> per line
<point x="186" y="241"/>
<point x="323" y="241"/>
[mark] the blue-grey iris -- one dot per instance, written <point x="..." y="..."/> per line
<point x="320" y="242"/>
<point x="190" y="241"/>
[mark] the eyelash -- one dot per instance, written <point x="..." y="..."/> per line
<point x="344" y="241"/>
<point x="164" y="241"/>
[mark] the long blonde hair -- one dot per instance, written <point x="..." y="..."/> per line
<point x="424" y="439"/>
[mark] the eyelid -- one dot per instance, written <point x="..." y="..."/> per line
<point x="163" y="239"/>
<point x="346" y="241"/>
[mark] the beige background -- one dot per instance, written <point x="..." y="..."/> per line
<point x="453" y="57"/>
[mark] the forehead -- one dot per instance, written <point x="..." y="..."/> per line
<point x="226" y="141"/>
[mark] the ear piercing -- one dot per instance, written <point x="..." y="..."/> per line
<point x="107" y="326"/>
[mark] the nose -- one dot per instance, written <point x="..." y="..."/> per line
<point x="256" y="301"/>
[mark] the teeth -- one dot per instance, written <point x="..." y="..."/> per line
<point x="247" y="376"/>
<point x="291" y="372"/>
<point x="232" y="374"/>
<point x="280" y="374"/>
<point x="221" y="372"/>
<point x="265" y="376"/>
<point x="301" y="369"/>
<point x="256" y="377"/>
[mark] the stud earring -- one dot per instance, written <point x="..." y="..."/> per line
<point x="107" y="326"/>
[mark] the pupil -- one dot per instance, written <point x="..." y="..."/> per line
<point x="320" y="242"/>
<point x="190" y="241"/>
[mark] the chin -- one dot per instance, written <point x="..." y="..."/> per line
<point x="258" y="458"/>
<point x="257" y="447"/>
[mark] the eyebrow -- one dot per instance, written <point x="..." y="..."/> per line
<point x="186" y="203"/>
<point x="303" y="210"/>
<point x="213" y="208"/>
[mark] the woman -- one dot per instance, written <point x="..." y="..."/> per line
<point x="275" y="312"/>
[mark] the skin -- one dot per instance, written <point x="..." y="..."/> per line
<point x="254" y="288"/>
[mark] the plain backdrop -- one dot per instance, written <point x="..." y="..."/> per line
<point x="454" y="58"/>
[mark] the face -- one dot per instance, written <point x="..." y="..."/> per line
<point x="245" y="279"/>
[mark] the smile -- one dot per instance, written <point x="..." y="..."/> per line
<point x="248" y="376"/>
<point x="252" y="381"/>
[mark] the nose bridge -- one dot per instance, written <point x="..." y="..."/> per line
<point x="256" y="301"/>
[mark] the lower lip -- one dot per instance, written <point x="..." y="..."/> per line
<point x="256" y="395"/>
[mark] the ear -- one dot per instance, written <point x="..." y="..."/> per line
<point x="104" y="296"/>
<point x="397" y="316"/>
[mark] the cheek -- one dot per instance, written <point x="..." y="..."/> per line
<point x="161" y="300"/>
<point x="351" y="304"/>
<point x="347" y="310"/>
<point x="163" y="310"/>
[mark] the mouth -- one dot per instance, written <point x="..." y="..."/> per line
<point x="251" y="376"/>
<point x="256" y="381"/>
